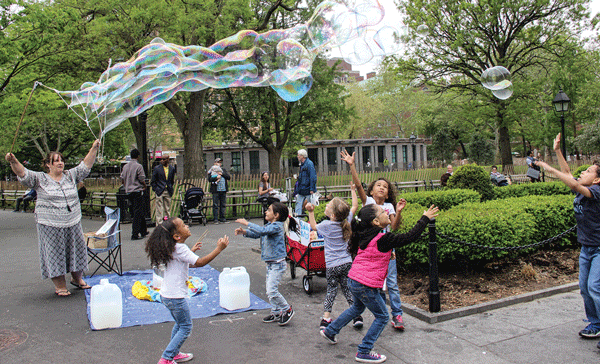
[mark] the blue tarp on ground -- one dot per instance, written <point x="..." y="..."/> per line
<point x="139" y="312"/>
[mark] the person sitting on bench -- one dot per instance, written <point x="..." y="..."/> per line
<point x="30" y="195"/>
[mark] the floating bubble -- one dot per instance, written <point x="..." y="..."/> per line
<point x="504" y="93"/>
<point x="423" y="30"/>
<point x="280" y="58"/>
<point x="495" y="78"/>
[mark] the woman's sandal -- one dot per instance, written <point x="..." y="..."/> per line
<point x="81" y="286"/>
<point x="63" y="292"/>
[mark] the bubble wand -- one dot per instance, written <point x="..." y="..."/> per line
<point x="22" y="116"/>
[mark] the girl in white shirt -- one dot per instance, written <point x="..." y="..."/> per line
<point x="166" y="245"/>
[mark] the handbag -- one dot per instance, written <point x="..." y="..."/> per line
<point x="533" y="173"/>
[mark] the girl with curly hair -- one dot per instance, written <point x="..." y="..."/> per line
<point x="167" y="245"/>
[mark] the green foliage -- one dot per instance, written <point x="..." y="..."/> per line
<point x="444" y="199"/>
<point x="472" y="176"/>
<point x="527" y="189"/>
<point x="502" y="223"/>
<point x="481" y="150"/>
<point x="580" y="169"/>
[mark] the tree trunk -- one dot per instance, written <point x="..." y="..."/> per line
<point x="190" y="125"/>
<point x="274" y="160"/>
<point x="505" y="152"/>
<point x="137" y="131"/>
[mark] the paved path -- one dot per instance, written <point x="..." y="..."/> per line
<point x="57" y="329"/>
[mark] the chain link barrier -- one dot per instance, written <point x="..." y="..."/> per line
<point x="509" y="248"/>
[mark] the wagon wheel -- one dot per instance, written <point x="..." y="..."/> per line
<point x="307" y="284"/>
<point x="292" y="269"/>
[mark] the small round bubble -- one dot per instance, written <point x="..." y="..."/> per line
<point x="423" y="30"/>
<point x="504" y="93"/>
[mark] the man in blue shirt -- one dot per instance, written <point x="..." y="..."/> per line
<point x="307" y="180"/>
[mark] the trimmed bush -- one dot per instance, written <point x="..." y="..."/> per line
<point x="580" y="169"/>
<point x="510" y="222"/>
<point x="444" y="199"/>
<point x="474" y="177"/>
<point x="529" y="189"/>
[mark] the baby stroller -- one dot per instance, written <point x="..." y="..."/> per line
<point x="192" y="204"/>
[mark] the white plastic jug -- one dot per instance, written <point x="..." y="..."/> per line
<point x="106" y="305"/>
<point x="158" y="275"/>
<point x="234" y="288"/>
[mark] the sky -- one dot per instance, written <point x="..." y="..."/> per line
<point x="394" y="16"/>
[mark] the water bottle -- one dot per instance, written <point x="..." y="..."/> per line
<point x="234" y="288"/>
<point x="106" y="305"/>
<point x="158" y="275"/>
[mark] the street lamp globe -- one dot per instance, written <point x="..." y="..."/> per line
<point x="561" y="105"/>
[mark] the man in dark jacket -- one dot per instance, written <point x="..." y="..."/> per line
<point x="163" y="178"/>
<point x="307" y="180"/>
<point x="218" y="177"/>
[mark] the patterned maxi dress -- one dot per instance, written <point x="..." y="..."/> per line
<point x="58" y="217"/>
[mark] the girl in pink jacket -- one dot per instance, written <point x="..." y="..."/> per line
<point x="372" y="249"/>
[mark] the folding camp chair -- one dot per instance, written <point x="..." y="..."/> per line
<point x="113" y="261"/>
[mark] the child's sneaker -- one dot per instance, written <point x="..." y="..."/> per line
<point x="330" y="338"/>
<point x="181" y="357"/>
<point x="357" y="322"/>
<point x="590" y="332"/>
<point x="272" y="318"/>
<point x="371" y="357"/>
<point x="324" y="323"/>
<point x="286" y="316"/>
<point x="165" y="361"/>
<point x="397" y="322"/>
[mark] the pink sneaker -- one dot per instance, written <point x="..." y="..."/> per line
<point x="181" y="357"/>
<point x="165" y="361"/>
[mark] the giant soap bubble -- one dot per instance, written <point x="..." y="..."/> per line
<point x="497" y="79"/>
<point x="281" y="59"/>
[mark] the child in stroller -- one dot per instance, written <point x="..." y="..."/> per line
<point x="192" y="204"/>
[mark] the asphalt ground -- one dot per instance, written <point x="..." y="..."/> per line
<point x="38" y="327"/>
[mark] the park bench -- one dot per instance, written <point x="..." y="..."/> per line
<point x="94" y="202"/>
<point x="519" y="178"/>
<point x="9" y="198"/>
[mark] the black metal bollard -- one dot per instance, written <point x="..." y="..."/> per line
<point x="434" y="289"/>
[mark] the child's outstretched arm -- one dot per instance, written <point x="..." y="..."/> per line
<point x="311" y="215"/>
<point x="391" y="240"/>
<point x="354" y="206"/>
<point x="222" y="243"/>
<point x="396" y="219"/>
<point x="567" y="179"/>
<point x="562" y="162"/>
<point x="355" y="179"/>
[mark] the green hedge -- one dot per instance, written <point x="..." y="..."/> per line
<point x="473" y="177"/>
<point x="529" y="189"/>
<point x="444" y="199"/>
<point x="503" y="223"/>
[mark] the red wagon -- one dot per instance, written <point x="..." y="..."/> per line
<point x="311" y="258"/>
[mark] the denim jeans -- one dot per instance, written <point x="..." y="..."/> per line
<point x="392" y="287"/>
<point x="364" y="297"/>
<point x="589" y="282"/>
<point x="180" y="310"/>
<point x="274" y="273"/>
<point x="299" y="202"/>
<point x="219" y="201"/>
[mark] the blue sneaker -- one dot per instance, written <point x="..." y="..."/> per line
<point x="371" y="357"/>
<point x="590" y="332"/>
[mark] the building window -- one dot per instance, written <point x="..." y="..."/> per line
<point x="332" y="156"/>
<point x="414" y="149"/>
<point x="350" y="150"/>
<point x="219" y="155"/>
<point x="204" y="159"/>
<point x="313" y="155"/>
<point x="236" y="162"/>
<point x="394" y="153"/>
<point x="404" y="154"/>
<point x="366" y="155"/>
<point x="254" y="162"/>
<point x="380" y="154"/>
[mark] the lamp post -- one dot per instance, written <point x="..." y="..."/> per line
<point x="561" y="105"/>
<point x="413" y="150"/>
